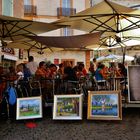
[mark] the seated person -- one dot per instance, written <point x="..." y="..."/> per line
<point x="42" y="72"/>
<point x="2" y="82"/>
<point x="91" y="69"/>
<point x="82" y="66"/>
<point x="53" y="71"/>
<point x="26" y="72"/>
<point x="70" y="79"/>
<point x="19" y="73"/>
<point x="11" y="75"/>
<point x="121" y="71"/>
<point x="61" y="69"/>
<point x="100" y="73"/>
<point x="69" y="74"/>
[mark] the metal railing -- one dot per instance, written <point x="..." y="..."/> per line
<point x="61" y="11"/>
<point x="30" y="10"/>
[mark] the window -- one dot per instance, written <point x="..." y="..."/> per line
<point x="7" y="7"/>
<point x="66" y="3"/>
<point x="27" y="2"/>
<point x="66" y="8"/>
<point x="29" y="8"/>
<point x="91" y="3"/>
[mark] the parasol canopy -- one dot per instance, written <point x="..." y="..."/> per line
<point x="114" y="21"/>
<point x="105" y="17"/>
<point x="114" y="57"/>
<point x="12" y="28"/>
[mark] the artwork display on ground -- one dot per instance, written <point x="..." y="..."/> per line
<point x="104" y="105"/>
<point x="29" y="108"/>
<point x="67" y="107"/>
<point x="133" y="84"/>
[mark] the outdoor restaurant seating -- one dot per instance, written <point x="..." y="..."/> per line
<point x="47" y="88"/>
<point x="60" y="86"/>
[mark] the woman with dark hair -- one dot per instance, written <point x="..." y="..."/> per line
<point x="122" y="71"/>
<point x="100" y="73"/>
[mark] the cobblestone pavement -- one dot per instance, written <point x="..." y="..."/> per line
<point x="48" y="129"/>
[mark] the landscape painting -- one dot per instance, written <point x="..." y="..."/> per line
<point x="67" y="107"/>
<point x="104" y="105"/>
<point x="29" y="108"/>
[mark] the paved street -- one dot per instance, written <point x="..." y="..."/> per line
<point x="48" y="129"/>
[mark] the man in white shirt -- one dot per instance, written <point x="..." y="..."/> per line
<point x="95" y="64"/>
<point x="31" y="65"/>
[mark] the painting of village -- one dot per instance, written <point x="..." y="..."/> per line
<point x="67" y="107"/>
<point x="104" y="106"/>
<point x="28" y="108"/>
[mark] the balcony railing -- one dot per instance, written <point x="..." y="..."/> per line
<point x="65" y="11"/>
<point x="30" y="10"/>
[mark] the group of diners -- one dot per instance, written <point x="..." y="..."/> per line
<point x="103" y="72"/>
<point x="110" y="75"/>
<point x="41" y="72"/>
<point x="66" y="72"/>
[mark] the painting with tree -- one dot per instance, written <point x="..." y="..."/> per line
<point x="104" y="105"/>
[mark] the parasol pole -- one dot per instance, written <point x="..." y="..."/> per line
<point x="123" y="46"/>
<point x="124" y="51"/>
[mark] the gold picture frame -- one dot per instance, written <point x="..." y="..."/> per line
<point x="104" y="105"/>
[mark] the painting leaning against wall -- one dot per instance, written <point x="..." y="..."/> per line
<point x="29" y="108"/>
<point x="67" y="107"/>
<point x="104" y="105"/>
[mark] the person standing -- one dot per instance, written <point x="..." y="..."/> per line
<point x="31" y="65"/>
<point x="95" y="64"/>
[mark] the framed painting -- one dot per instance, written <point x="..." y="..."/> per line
<point x="67" y="107"/>
<point x="133" y="84"/>
<point x="29" y="108"/>
<point x="104" y="105"/>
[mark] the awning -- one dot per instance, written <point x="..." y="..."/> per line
<point x="29" y="44"/>
<point x="76" y="41"/>
<point x="51" y="44"/>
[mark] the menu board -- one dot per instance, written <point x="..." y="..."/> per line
<point x="134" y="83"/>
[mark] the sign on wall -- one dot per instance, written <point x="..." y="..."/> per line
<point x="8" y="50"/>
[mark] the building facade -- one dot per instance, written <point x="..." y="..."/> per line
<point x="49" y="11"/>
<point x="14" y="8"/>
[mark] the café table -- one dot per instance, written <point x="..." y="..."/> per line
<point x="115" y="82"/>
